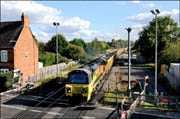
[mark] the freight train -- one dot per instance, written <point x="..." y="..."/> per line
<point x="82" y="82"/>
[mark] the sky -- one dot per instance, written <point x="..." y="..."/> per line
<point x="105" y="20"/>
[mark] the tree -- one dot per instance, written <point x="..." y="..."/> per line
<point x="167" y="33"/>
<point x="79" y="42"/>
<point x="48" y="58"/>
<point x="41" y="46"/>
<point x="75" y="52"/>
<point x="62" y="45"/>
<point x="171" y="54"/>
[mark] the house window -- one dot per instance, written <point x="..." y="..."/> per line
<point x="26" y="55"/>
<point x="4" y="57"/>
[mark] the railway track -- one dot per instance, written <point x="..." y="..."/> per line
<point x="71" y="111"/>
<point x="80" y="111"/>
<point x="42" y="107"/>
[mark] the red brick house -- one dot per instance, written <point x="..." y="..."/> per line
<point x="18" y="47"/>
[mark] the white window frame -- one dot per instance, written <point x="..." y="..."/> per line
<point x="26" y="55"/>
<point x="4" y="56"/>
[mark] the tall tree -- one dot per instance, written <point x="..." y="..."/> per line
<point x="79" y="42"/>
<point x="167" y="33"/>
<point x="62" y="45"/>
<point x="75" y="52"/>
<point x="171" y="54"/>
<point x="41" y="46"/>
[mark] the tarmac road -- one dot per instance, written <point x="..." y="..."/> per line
<point x="15" y="105"/>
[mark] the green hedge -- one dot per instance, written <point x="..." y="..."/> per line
<point x="6" y="81"/>
<point x="49" y="58"/>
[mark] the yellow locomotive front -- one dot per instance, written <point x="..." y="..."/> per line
<point x="78" y="84"/>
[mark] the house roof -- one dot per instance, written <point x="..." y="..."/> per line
<point x="9" y="34"/>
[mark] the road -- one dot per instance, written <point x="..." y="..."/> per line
<point x="13" y="105"/>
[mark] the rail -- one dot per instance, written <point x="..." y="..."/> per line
<point x="43" y="101"/>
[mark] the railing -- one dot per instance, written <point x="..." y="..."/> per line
<point x="160" y="102"/>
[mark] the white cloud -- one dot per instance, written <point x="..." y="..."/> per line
<point x="38" y="13"/>
<point x="135" y="1"/>
<point x="143" y="18"/>
<point x="146" y="17"/>
<point x="140" y="17"/>
<point x="138" y="26"/>
<point x="44" y="16"/>
<point x="149" y="5"/>
<point x="173" y="12"/>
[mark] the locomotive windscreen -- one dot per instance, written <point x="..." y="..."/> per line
<point x="77" y="77"/>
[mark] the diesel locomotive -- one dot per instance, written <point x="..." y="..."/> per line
<point x="82" y="82"/>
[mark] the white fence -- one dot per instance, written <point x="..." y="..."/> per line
<point x="174" y="81"/>
<point x="49" y="71"/>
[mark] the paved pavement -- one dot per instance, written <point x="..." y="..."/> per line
<point x="13" y="105"/>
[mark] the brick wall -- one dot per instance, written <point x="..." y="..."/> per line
<point x="26" y="46"/>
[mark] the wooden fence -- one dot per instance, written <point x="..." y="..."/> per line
<point x="47" y="72"/>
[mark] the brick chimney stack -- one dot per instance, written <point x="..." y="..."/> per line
<point x="25" y="20"/>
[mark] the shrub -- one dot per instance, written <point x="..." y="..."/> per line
<point x="6" y="81"/>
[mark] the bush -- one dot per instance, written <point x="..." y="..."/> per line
<point x="49" y="58"/>
<point x="6" y="81"/>
<point x="66" y="60"/>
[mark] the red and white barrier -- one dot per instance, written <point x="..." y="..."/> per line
<point x="12" y="90"/>
<point x="124" y="115"/>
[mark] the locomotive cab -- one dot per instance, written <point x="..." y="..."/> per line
<point x="77" y="84"/>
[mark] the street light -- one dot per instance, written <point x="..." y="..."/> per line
<point x="129" y="59"/>
<point x="56" y="24"/>
<point x="155" y="12"/>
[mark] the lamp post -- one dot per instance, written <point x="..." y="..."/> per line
<point x="155" y="12"/>
<point x="129" y="59"/>
<point x="56" y="24"/>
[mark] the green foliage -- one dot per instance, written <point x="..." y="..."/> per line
<point x="47" y="58"/>
<point x="96" y="47"/>
<point x="41" y="46"/>
<point x="62" y="45"/>
<point x="75" y="52"/>
<point x="167" y="33"/>
<point x="76" y="49"/>
<point x="171" y="54"/>
<point x="119" y="43"/>
<point x="6" y="81"/>
<point x="79" y="42"/>
<point x="66" y="60"/>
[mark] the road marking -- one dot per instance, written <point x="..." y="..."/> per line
<point x="108" y="108"/>
<point x="33" y="100"/>
<point x="86" y="117"/>
<point x="7" y="97"/>
<point x="21" y="108"/>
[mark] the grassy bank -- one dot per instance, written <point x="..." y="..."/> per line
<point x="148" y="65"/>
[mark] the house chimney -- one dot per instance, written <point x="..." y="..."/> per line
<point x="25" y="20"/>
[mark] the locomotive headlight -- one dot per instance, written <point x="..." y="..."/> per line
<point x="85" y="90"/>
<point x="68" y="90"/>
